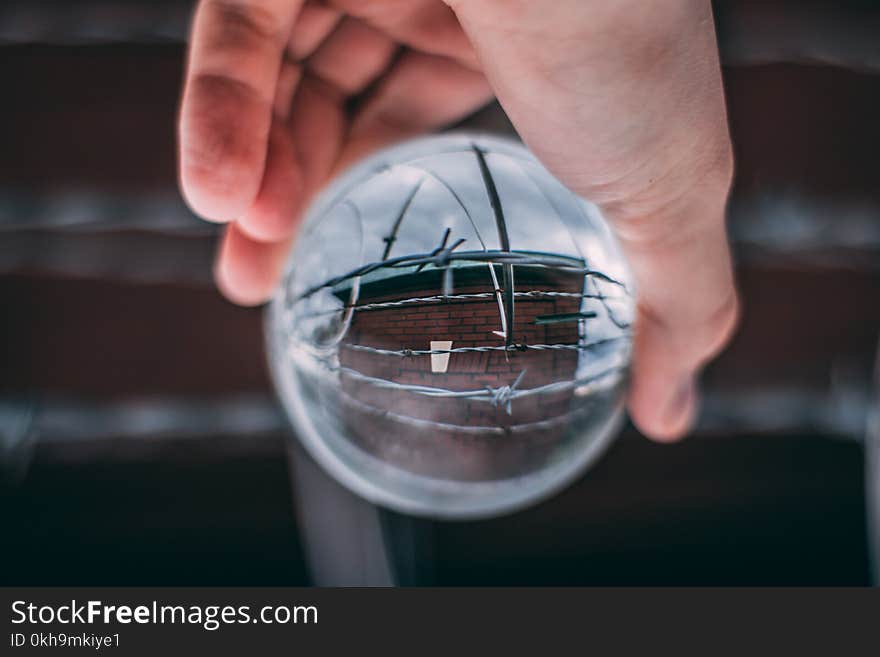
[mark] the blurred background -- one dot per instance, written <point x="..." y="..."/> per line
<point x="140" y="441"/>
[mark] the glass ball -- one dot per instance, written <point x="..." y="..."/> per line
<point x="452" y="336"/>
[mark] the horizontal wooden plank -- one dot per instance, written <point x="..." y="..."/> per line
<point x="104" y="117"/>
<point x="107" y="338"/>
<point x="104" y="338"/>
<point x="746" y="510"/>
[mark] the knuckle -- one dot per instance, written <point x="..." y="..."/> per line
<point x="667" y="204"/>
<point x="242" y="24"/>
<point x="717" y="166"/>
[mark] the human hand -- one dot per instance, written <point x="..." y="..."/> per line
<point x="621" y="101"/>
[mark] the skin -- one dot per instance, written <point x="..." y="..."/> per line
<point x="621" y="100"/>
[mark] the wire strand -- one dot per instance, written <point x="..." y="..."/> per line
<point x="405" y="353"/>
<point x="499" y="397"/>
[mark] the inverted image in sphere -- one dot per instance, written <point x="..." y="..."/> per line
<point x="452" y="336"/>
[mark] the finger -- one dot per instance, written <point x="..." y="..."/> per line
<point x="352" y="57"/>
<point x="687" y="311"/>
<point x="301" y="151"/>
<point x="273" y="214"/>
<point x="425" y="25"/>
<point x="314" y="23"/>
<point x="234" y="60"/>
<point x="319" y="124"/>
<point x="402" y="105"/>
<point x="399" y="107"/>
<point x="288" y="81"/>
<point x="250" y="260"/>
<point x="247" y="270"/>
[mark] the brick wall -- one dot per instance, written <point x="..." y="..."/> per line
<point x="374" y="414"/>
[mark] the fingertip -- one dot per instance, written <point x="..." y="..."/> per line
<point x="218" y="206"/>
<point x="223" y="135"/>
<point x="267" y="223"/>
<point x="221" y="192"/>
<point x="246" y="271"/>
<point x="663" y="397"/>
<point x="665" y="415"/>
<point x="235" y="290"/>
<point x="235" y="273"/>
<point x="219" y="187"/>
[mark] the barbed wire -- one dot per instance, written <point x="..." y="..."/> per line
<point x="513" y="429"/>
<point x="405" y="353"/>
<point x="471" y="296"/>
<point x="498" y="397"/>
<point x="443" y="256"/>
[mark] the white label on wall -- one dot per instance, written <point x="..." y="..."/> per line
<point x="440" y="362"/>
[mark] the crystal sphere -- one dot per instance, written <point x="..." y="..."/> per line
<point x="452" y="336"/>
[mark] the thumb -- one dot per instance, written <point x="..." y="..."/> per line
<point x="623" y="102"/>
<point x="687" y="303"/>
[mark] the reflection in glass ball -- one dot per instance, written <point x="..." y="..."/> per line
<point x="453" y="332"/>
